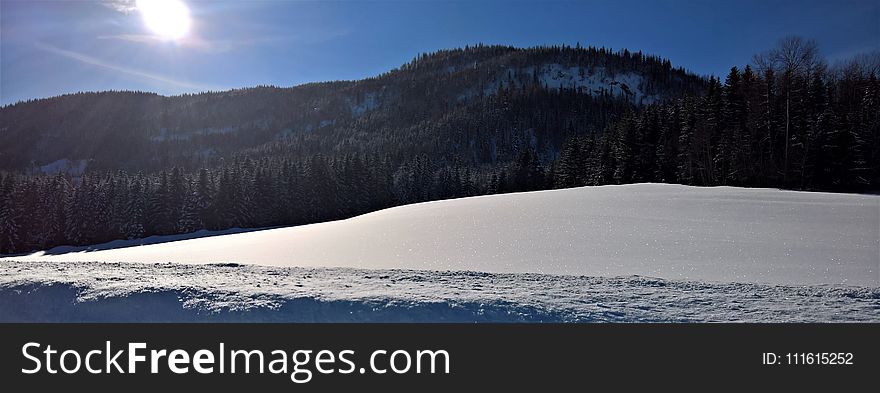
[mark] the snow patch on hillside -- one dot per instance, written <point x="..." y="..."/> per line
<point x="64" y="165"/>
<point x="163" y="292"/>
<point x="594" y="82"/>
<point x="370" y="102"/>
<point x="590" y="81"/>
<point x="165" y="135"/>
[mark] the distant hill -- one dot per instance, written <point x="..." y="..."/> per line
<point x="479" y="104"/>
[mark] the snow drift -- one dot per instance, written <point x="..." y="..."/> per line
<point x="721" y="234"/>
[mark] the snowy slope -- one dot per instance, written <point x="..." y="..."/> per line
<point x="672" y="232"/>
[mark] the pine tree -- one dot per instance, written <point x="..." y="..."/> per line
<point x="203" y="199"/>
<point x="769" y="127"/>
<point x="731" y="138"/>
<point x="11" y="215"/>
<point x="687" y="152"/>
<point x="137" y="203"/>
<point x="870" y="126"/>
<point x="568" y="169"/>
<point x="707" y="135"/>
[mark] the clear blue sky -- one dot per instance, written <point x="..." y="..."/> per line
<point x="54" y="47"/>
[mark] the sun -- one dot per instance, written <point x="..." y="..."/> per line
<point x="169" y="19"/>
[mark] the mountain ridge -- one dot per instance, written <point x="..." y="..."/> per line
<point x="426" y="88"/>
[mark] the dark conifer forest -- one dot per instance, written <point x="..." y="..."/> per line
<point x="88" y="168"/>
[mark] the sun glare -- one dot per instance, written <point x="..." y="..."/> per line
<point x="168" y="19"/>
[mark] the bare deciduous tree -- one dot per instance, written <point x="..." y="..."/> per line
<point x="796" y="56"/>
<point x="859" y="66"/>
<point x="792" y="57"/>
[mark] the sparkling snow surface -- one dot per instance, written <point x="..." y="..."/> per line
<point x="673" y="232"/>
<point x="138" y="292"/>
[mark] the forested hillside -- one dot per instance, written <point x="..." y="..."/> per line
<point x="791" y="122"/>
<point x="92" y="167"/>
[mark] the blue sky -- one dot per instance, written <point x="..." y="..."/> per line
<point x="54" y="47"/>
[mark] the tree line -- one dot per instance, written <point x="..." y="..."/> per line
<point x="790" y="122"/>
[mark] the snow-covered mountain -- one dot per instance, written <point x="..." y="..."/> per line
<point x="667" y="231"/>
